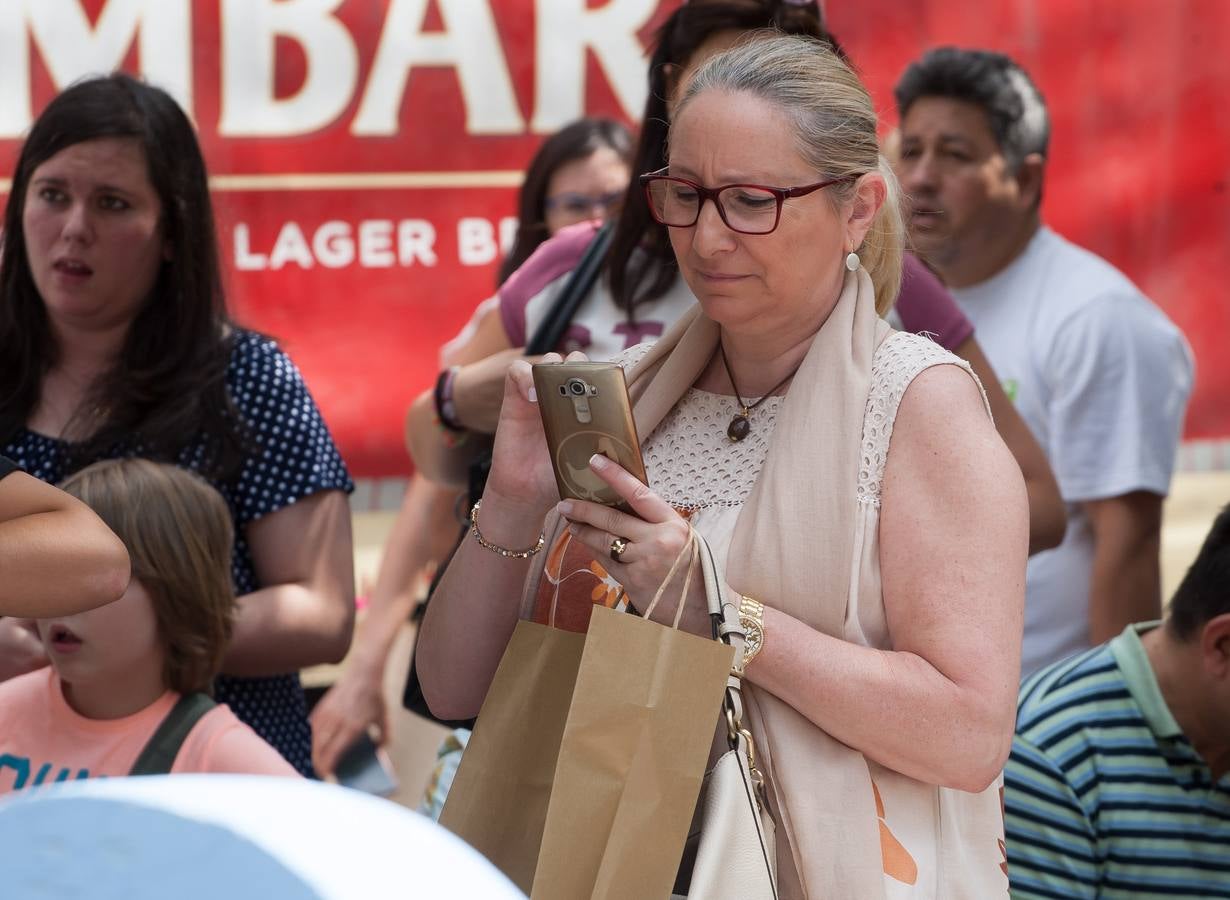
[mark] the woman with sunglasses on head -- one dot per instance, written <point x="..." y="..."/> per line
<point x="579" y="175"/>
<point x="640" y="294"/>
<point x="881" y="585"/>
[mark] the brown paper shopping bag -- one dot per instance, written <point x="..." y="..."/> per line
<point x="582" y="774"/>
<point x="631" y="761"/>
<point x="499" y="796"/>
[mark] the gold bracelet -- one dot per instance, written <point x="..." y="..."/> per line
<point x="751" y="620"/>
<point x="494" y="548"/>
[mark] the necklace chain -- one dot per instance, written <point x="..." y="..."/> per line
<point x="740" y="425"/>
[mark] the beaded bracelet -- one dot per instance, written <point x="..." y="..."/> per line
<point x="495" y="548"/>
<point x="446" y="410"/>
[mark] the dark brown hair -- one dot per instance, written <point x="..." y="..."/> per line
<point x="576" y="141"/>
<point x="168" y="386"/>
<point x="179" y="534"/>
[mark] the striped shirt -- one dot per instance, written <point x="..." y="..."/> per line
<point x="1104" y="796"/>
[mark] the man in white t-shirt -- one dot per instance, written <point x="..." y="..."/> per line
<point x="1097" y="371"/>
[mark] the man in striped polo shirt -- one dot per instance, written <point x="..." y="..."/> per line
<point x="1117" y="785"/>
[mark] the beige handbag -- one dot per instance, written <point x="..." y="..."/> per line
<point x="736" y="856"/>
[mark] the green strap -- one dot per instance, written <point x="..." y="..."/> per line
<point x="159" y="753"/>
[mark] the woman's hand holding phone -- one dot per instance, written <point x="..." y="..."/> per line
<point x="521" y="487"/>
<point x="655" y="537"/>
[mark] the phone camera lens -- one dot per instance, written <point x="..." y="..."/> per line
<point x="577" y="388"/>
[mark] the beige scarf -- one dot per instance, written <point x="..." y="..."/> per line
<point x="794" y="548"/>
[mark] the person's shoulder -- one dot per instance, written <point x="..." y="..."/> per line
<point x="555" y="257"/>
<point x="219" y="742"/>
<point x="913" y="366"/>
<point x="910" y="349"/>
<point x="261" y="374"/>
<point x="1065" y="698"/>
<point x="254" y="353"/>
<point x="628" y="358"/>
<point x="1078" y="282"/>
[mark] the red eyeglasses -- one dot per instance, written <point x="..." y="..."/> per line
<point x="746" y="208"/>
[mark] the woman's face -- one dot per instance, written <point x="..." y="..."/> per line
<point x="586" y="189"/>
<point x="93" y="229"/>
<point x="788" y="279"/>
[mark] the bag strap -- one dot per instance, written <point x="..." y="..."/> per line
<point x="158" y="755"/>
<point x="548" y="333"/>
<point x="728" y="630"/>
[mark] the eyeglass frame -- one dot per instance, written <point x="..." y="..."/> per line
<point x="780" y="194"/>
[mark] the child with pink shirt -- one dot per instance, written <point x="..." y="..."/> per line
<point x="127" y="688"/>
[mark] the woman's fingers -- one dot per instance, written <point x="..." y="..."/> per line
<point x="606" y="518"/>
<point x="521" y="381"/>
<point x="644" y="502"/>
<point x="600" y="542"/>
<point x="332" y="743"/>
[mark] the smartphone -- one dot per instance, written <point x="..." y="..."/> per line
<point x="585" y="410"/>
<point x="366" y="767"/>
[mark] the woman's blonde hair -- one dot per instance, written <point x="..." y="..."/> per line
<point x="835" y="127"/>
<point x="178" y="533"/>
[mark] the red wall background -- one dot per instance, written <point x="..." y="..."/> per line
<point x="1140" y="152"/>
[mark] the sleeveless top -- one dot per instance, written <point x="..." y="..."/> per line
<point x="692" y="465"/>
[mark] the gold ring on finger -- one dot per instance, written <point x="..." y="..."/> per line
<point x="618" y="546"/>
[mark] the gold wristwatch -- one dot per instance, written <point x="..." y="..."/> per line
<point x="751" y="620"/>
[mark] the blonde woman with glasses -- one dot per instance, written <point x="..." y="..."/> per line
<point x="871" y="525"/>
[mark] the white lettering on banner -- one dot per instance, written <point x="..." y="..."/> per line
<point x="376" y="244"/>
<point x="565" y="28"/>
<point x="71" y="48"/>
<point x="249" y="32"/>
<point x="373" y="244"/>
<point x="469" y="43"/>
<point x="476" y="242"/>
<point x="508" y="233"/>
<point x="416" y="239"/>
<point x="333" y="245"/>
<point x="291" y="246"/>
<point x="245" y="259"/>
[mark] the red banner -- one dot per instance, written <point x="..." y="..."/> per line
<point x="365" y="156"/>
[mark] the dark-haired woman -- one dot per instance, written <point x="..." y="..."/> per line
<point x="641" y="293"/>
<point x="116" y="343"/>
<point x="579" y="174"/>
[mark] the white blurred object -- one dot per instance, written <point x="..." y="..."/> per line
<point x="232" y="836"/>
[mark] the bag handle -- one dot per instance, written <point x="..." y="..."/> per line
<point x="691" y="551"/>
<point x="728" y="630"/>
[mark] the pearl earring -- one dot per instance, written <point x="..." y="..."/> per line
<point x="852" y="261"/>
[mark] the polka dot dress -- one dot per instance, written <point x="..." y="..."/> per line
<point x="296" y="458"/>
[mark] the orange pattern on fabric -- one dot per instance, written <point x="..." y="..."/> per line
<point x="898" y="864"/>
<point x="575" y="580"/>
<point x="608" y="591"/>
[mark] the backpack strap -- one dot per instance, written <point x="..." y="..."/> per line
<point x="160" y="751"/>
